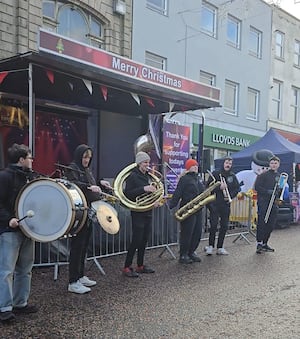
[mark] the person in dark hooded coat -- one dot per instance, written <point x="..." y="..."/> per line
<point x="82" y="176"/>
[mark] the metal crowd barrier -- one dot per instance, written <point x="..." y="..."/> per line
<point x="165" y="233"/>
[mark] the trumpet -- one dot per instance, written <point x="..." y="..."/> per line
<point x="226" y="193"/>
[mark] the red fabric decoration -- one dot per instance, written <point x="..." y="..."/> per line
<point x="3" y="75"/>
<point x="50" y="76"/>
<point x="104" y="92"/>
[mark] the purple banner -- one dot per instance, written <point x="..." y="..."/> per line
<point x="176" y="150"/>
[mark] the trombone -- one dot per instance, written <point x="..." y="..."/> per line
<point x="226" y="193"/>
<point x="280" y="184"/>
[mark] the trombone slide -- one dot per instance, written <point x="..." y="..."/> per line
<point x="280" y="184"/>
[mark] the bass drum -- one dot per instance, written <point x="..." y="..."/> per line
<point x="58" y="208"/>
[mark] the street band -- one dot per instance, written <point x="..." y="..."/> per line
<point x="77" y="199"/>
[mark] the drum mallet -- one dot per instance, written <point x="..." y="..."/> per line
<point x="29" y="214"/>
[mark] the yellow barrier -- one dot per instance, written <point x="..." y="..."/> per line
<point x="243" y="209"/>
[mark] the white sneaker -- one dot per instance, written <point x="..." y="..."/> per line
<point x="208" y="250"/>
<point x="222" y="251"/>
<point x="85" y="281"/>
<point x="77" y="287"/>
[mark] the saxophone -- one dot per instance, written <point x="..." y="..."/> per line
<point x="197" y="203"/>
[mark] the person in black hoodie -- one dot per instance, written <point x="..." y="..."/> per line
<point x="82" y="176"/>
<point x="220" y="208"/>
<point x="188" y="187"/>
<point x="16" y="250"/>
<point x="137" y="183"/>
<point x="264" y="185"/>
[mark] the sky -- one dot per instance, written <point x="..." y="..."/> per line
<point x="291" y="6"/>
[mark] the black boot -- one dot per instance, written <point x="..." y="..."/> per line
<point x="194" y="256"/>
<point x="185" y="259"/>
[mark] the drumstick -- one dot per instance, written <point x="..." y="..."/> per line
<point x="29" y="214"/>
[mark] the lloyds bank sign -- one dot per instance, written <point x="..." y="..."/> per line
<point x="221" y="138"/>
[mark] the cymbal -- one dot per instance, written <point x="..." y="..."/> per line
<point x="96" y="204"/>
<point x="108" y="219"/>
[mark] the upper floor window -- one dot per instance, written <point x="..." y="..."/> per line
<point x="295" y="106"/>
<point x="279" y="44"/>
<point x="297" y="53"/>
<point x="231" y="97"/>
<point x="253" y="104"/>
<point x="207" y="78"/>
<point x="209" y="19"/>
<point x="233" y="31"/>
<point x="73" y="22"/>
<point x="159" y="6"/>
<point x="155" y="60"/>
<point x="255" y="42"/>
<point x="276" y="99"/>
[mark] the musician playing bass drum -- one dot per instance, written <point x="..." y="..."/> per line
<point x="189" y="186"/>
<point x="264" y="185"/>
<point x="220" y="208"/>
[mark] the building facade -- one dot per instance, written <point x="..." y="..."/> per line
<point x="223" y="43"/>
<point x="284" y="113"/>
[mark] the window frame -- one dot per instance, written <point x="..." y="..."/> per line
<point x="235" y="86"/>
<point x="161" y="9"/>
<point x="235" y="21"/>
<point x="258" y="51"/>
<point x="212" y="9"/>
<point x="253" y="116"/>
<point x="297" y="53"/>
<point x="52" y="24"/>
<point x="296" y="105"/>
<point x="277" y="99"/>
<point x="279" y="46"/>
<point x="152" y="59"/>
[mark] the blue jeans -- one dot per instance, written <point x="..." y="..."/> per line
<point x="16" y="261"/>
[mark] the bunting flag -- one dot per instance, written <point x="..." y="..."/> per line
<point x="171" y="106"/>
<point x="104" y="92"/>
<point x="88" y="85"/>
<point x="136" y="98"/>
<point x="3" y="75"/>
<point x="50" y="76"/>
<point x="150" y="102"/>
<point x="71" y="85"/>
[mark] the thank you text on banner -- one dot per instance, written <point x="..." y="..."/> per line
<point x="176" y="150"/>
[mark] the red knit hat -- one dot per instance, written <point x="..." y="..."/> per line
<point x="189" y="163"/>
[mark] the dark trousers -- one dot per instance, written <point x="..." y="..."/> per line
<point x="79" y="246"/>
<point x="190" y="233"/>
<point x="141" y="227"/>
<point x="264" y="230"/>
<point x="218" y="213"/>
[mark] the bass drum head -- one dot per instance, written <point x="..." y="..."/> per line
<point x="53" y="207"/>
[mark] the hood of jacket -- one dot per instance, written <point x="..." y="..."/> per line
<point x="78" y="153"/>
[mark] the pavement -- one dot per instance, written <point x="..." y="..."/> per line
<point x="242" y="295"/>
